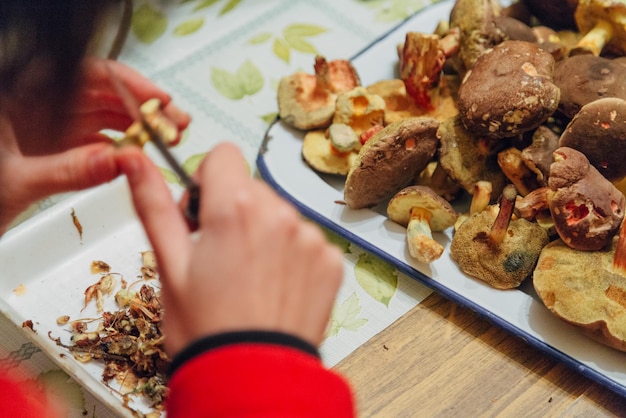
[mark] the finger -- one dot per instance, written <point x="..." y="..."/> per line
<point x="83" y="126"/>
<point x="223" y="174"/>
<point x="75" y="169"/>
<point x="159" y="214"/>
<point x="105" y="102"/>
<point x="97" y="75"/>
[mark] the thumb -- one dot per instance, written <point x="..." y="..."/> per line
<point x="75" y="169"/>
<point x="30" y="179"/>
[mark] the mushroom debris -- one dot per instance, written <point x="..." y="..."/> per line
<point x="129" y="341"/>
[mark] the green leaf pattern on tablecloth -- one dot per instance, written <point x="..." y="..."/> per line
<point x="149" y="23"/>
<point x="247" y="80"/>
<point x="377" y="277"/>
<point x="189" y="26"/>
<point x="339" y="241"/>
<point x="192" y="163"/>
<point x="394" y="10"/>
<point x="345" y="316"/>
<point x="229" y="6"/>
<point x="64" y="387"/>
<point x="293" y="37"/>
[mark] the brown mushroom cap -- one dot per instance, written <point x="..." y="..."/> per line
<point x="587" y="209"/>
<point x="442" y="213"/>
<point x="558" y="14"/>
<point x="581" y="288"/>
<point x="507" y="265"/>
<point x="514" y="29"/>
<point x="599" y="131"/>
<point x="460" y="155"/>
<point x="538" y="155"/>
<point x="390" y="160"/>
<point x="585" y="78"/>
<point x="509" y="90"/>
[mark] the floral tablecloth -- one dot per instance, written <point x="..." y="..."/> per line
<point x="222" y="60"/>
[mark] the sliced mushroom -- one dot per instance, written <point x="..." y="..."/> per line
<point x="390" y="160"/>
<point x="422" y="212"/>
<point x="603" y="24"/>
<point x="598" y="130"/>
<point x="509" y="90"/>
<point x="495" y="249"/>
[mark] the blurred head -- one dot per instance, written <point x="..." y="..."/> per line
<point x="41" y="45"/>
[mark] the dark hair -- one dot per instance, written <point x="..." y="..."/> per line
<point x="41" y="45"/>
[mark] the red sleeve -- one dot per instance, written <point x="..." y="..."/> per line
<point x="257" y="380"/>
<point x="25" y="399"/>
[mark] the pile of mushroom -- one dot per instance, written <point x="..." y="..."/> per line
<point x="520" y="108"/>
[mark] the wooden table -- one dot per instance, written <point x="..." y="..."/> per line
<point x="441" y="359"/>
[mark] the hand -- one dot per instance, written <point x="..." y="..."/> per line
<point x="33" y="165"/>
<point x="255" y="264"/>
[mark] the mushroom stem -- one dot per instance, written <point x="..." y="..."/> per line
<point x="152" y="114"/>
<point x="420" y="240"/>
<point x="619" y="257"/>
<point x="534" y="202"/>
<point x="322" y="73"/>
<point x="594" y="40"/>
<point x="481" y="196"/>
<point x="450" y="43"/>
<point x="421" y="68"/>
<point x="501" y="224"/>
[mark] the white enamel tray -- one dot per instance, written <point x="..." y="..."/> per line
<point x="45" y="269"/>
<point x="518" y="311"/>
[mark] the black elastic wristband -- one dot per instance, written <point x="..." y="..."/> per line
<point x="238" y="337"/>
